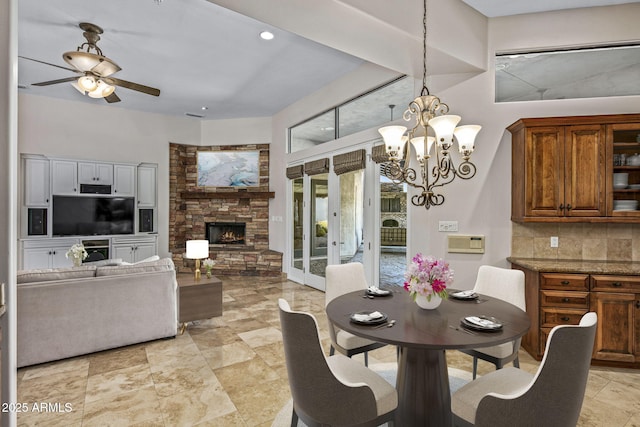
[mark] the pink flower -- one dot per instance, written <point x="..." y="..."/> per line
<point x="427" y="276"/>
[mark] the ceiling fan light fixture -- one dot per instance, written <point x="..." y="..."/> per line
<point x="87" y="61"/>
<point x="87" y="83"/>
<point x="102" y="91"/>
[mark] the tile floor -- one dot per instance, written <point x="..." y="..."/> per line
<point x="229" y="371"/>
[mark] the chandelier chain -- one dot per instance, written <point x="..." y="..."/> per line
<point x="425" y="89"/>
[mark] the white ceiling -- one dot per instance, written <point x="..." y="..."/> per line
<point x="196" y="52"/>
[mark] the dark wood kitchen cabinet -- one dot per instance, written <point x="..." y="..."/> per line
<point x="562" y="298"/>
<point x="562" y="168"/>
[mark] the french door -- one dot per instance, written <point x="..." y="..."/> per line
<point x="352" y="217"/>
<point x="310" y="229"/>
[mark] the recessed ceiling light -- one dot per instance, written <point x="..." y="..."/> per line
<point x="266" y="35"/>
<point x="204" y="108"/>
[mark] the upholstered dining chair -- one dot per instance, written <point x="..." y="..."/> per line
<point x="507" y="285"/>
<point x="334" y="390"/>
<point x="552" y="397"/>
<point x="339" y="280"/>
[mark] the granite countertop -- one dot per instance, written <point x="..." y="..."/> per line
<point x="578" y="266"/>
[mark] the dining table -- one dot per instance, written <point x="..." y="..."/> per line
<point x="422" y="337"/>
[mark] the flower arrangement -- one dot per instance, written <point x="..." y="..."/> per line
<point x="428" y="276"/>
<point x="77" y="253"/>
<point x="208" y="264"/>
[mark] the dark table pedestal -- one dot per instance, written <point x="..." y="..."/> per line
<point x="424" y="398"/>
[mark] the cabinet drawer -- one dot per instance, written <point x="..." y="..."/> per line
<point x="550" y="317"/>
<point x="615" y="283"/>
<point x="574" y="282"/>
<point x="564" y="299"/>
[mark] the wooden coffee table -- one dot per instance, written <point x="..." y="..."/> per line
<point x="198" y="299"/>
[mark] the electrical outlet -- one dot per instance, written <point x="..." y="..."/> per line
<point x="554" y="241"/>
<point x="447" y="225"/>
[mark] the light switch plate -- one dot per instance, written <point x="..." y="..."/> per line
<point x="447" y="225"/>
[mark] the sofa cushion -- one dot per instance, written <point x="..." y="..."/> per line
<point x="151" y="258"/>
<point x="165" y="264"/>
<point x="112" y="261"/>
<point x="49" y="274"/>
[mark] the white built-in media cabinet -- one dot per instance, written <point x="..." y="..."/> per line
<point x="111" y="208"/>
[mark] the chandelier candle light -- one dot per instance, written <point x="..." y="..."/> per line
<point x="197" y="249"/>
<point x="428" y="112"/>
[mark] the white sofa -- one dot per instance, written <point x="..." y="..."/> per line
<point x="73" y="311"/>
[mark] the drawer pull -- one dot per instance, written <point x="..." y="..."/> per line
<point x="616" y="284"/>
<point x="565" y="300"/>
<point x="637" y="304"/>
<point x="565" y="282"/>
<point x="565" y="318"/>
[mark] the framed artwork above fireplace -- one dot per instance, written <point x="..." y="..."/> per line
<point x="228" y="168"/>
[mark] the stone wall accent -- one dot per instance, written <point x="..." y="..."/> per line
<point x="190" y="207"/>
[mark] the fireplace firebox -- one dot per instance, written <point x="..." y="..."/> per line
<point x="225" y="233"/>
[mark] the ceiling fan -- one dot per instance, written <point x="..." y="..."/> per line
<point x="96" y="69"/>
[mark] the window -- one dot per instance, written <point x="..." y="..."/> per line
<point x="577" y="73"/>
<point x="390" y="205"/>
<point x="381" y="105"/>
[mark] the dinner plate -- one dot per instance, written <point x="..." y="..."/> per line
<point x="466" y="295"/>
<point x="481" y="323"/>
<point x="377" y="292"/>
<point x="368" y="317"/>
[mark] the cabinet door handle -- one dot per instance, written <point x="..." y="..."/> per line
<point x="565" y="319"/>
<point x="616" y="284"/>
<point x="569" y="207"/>
<point x="637" y="304"/>
<point x="115" y="191"/>
<point x="565" y="300"/>
<point x="74" y="189"/>
<point x="47" y="200"/>
<point x="565" y="282"/>
<point x="54" y="252"/>
<point x="561" y="207"/>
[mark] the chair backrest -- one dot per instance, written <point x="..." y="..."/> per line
<point x="555" y="395"/>
<point x="317" y="394"/>
<point x="343" y="278"/>
<point x="503" y="283"/>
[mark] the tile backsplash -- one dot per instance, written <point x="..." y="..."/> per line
<point x="576" y="241"/>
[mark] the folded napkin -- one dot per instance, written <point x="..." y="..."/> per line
<point x="485" y="323"/>
<point x="377" y="291"/>
<point x="464" y="294"/>
<point x="366" y="317"/>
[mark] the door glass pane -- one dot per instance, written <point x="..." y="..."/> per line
<point x="298" y="223"/>
<point x="320" y="224"/>
<point x="351" y="216"/>
<point x="393" y="232"/>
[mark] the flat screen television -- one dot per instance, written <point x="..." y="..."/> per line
<point x="88" y="216"/>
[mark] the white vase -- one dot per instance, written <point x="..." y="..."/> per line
<point x="77" y="261"/>
<point x="422" y="302"/>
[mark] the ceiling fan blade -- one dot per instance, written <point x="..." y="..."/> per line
<point x="112" y="98"/>
<point x="53" y="82"/>
<point x="133" y="86"/>
<point x="47" y="63"/>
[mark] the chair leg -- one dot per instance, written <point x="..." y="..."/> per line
<point x="332" y="351"/>
<point x="294" y="419"/>
<point x="516" y="362"/>
<point x="475" y="367"/>
<point x="366" y="358"/>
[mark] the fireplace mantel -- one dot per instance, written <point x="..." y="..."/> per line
<point x="227" y="195"/>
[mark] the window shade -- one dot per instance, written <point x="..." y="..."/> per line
<point x="379" y="154"/>
<point x="316" y="167"/>
<point x="294" y="172"/>
<point x="349" y="162"/>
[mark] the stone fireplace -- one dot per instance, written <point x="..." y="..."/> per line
<point x="235" y="220"/>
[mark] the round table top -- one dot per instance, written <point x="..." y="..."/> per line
<point x="429" y="329"/>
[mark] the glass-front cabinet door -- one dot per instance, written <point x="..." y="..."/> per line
<point x="624" y="179"/>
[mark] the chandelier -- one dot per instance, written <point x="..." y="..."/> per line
<point x="428" y="112"/>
